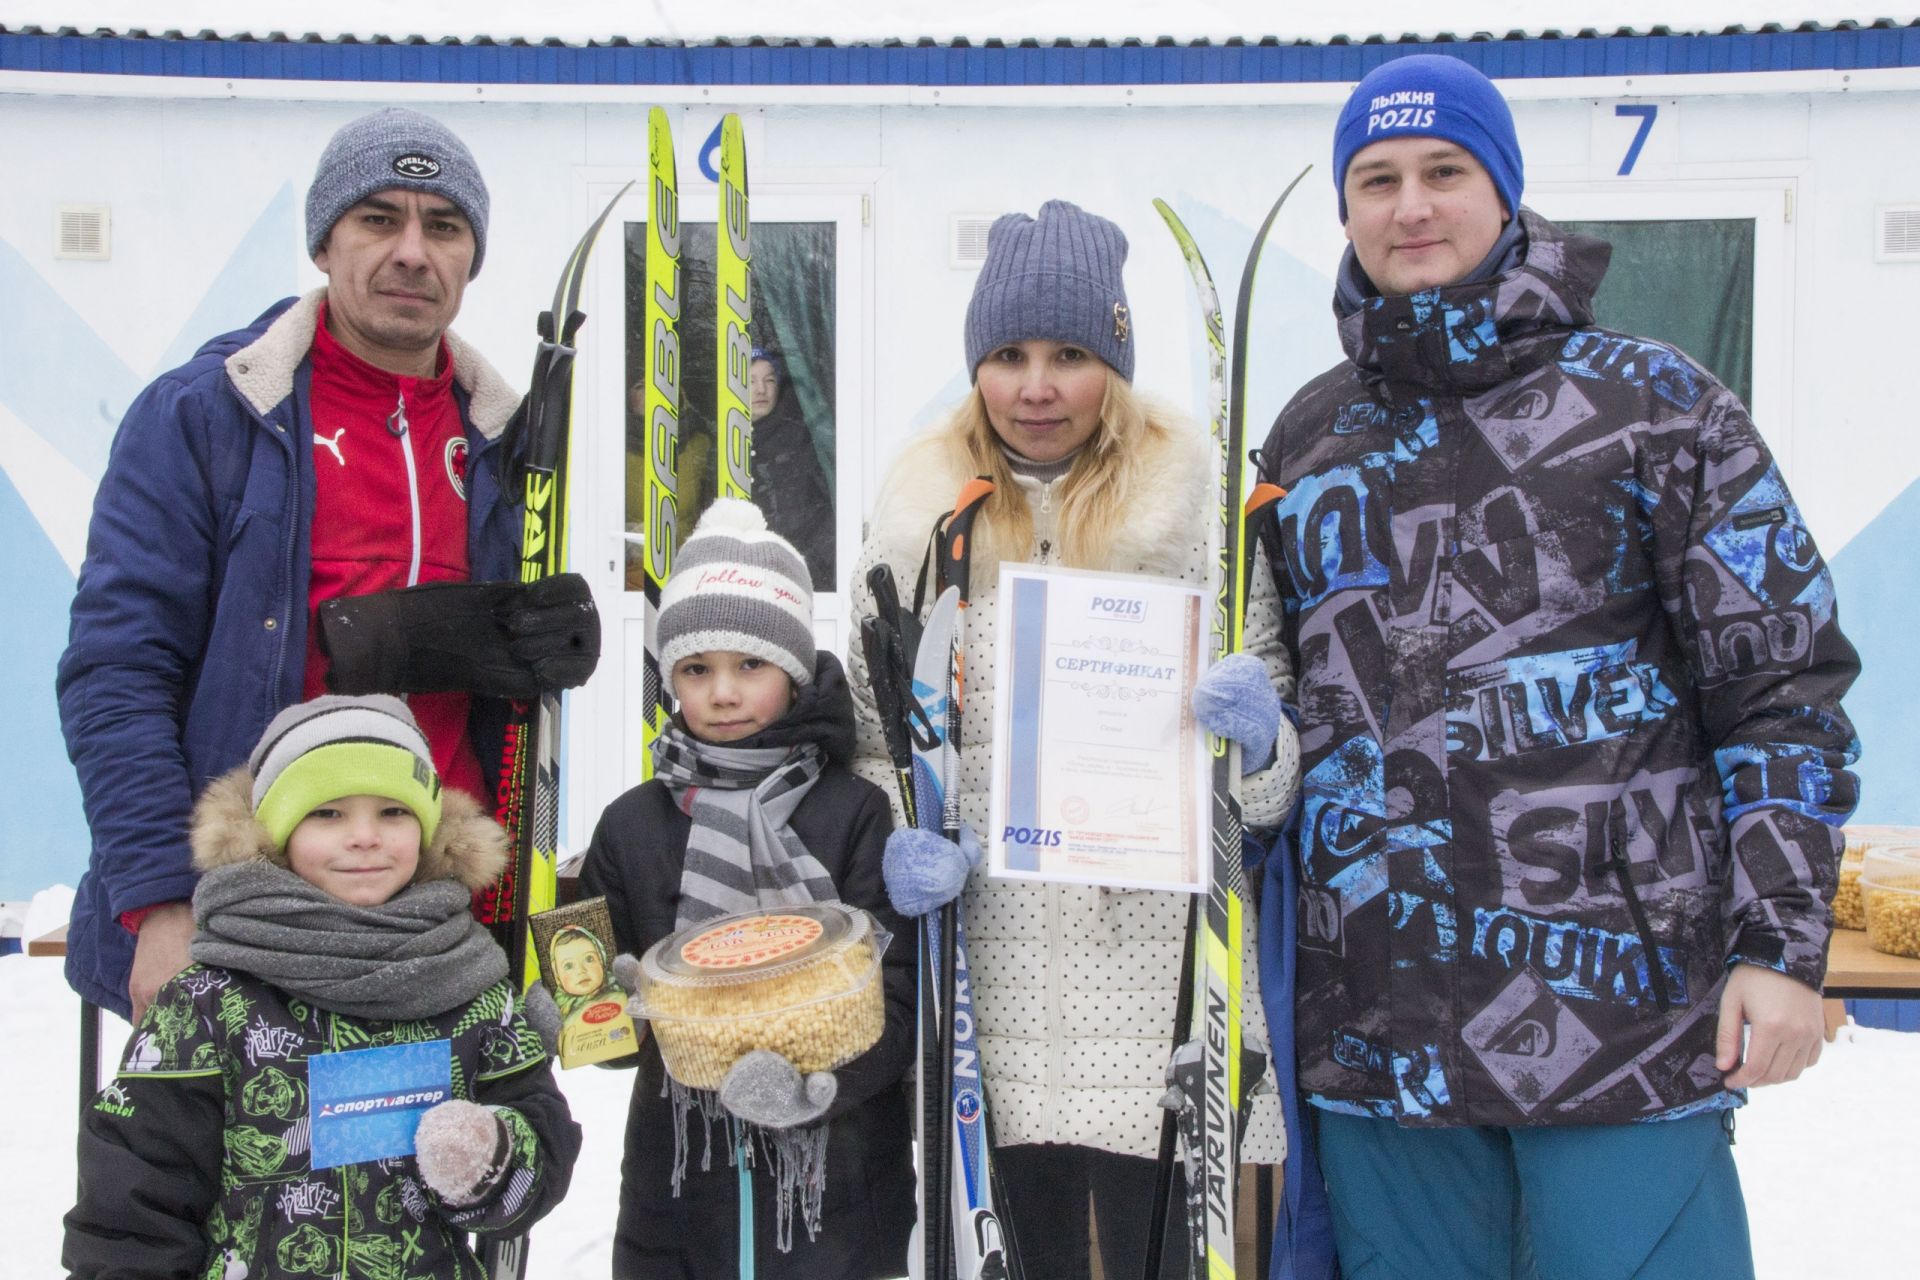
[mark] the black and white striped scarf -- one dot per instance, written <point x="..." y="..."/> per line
<point x="741" y="854"/>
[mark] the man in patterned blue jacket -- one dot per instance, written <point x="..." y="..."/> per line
<point x="1574" y="760"/>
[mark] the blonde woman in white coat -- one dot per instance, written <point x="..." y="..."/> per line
<point x="1073" y="987"/>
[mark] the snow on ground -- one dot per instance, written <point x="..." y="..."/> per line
<point x="1829" y="1163"/>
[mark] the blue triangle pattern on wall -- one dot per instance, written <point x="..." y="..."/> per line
<point x="1880" y="612"/>
<point x="66" y="384"/>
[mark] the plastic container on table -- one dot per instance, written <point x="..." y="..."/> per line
<point x="802" y="981"/>
<point x="1890" y="897"/>
<point x="1848" y="911"/>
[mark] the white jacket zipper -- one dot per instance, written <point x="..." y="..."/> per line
<point x="1046" y="512"/>
<point x="397" y="424"/>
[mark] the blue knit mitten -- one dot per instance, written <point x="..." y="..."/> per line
<point x="925" y="871"/>
<point x="1235" y="699"/>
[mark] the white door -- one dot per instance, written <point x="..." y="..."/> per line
<point x="812" y="302"/>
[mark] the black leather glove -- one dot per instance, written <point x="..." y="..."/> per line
<point x="499" y="639"/>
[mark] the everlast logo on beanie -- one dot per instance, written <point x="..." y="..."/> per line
<point x="395" y="147"/>
<point x="415" y="165"/>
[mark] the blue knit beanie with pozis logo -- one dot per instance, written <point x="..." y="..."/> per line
<point x="1430" y="95"/>
<point x="395" y="147"/>
<point x="1055" y="278"/>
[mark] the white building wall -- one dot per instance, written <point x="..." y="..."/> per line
<point x="207" y="194"/>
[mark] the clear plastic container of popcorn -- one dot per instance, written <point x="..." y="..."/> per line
<point x="1848" y="910"/>
<point x="801" y="981"/>
<point x="1890" y="897"/>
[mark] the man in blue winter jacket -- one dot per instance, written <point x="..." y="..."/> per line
<point x="317" y="502"/>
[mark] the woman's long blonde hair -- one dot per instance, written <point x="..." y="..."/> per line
<point x="1096" y="493"/>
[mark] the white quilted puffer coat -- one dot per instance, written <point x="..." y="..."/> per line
<point x="1074" y="987"/>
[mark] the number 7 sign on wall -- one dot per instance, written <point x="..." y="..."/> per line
<point x="1635" y="139"/>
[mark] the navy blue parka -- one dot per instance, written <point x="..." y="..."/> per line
<point x="189" y="626"/>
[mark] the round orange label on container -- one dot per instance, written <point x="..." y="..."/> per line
<point x="750" y="942"/>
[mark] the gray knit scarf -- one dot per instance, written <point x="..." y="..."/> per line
<point x="418" y="954"/>
<point x="741" y="854"/>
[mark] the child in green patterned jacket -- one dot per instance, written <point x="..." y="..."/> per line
<point x="332" y="915"/>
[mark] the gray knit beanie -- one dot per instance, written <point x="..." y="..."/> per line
<point x="1055" y="278"/>
<point x="395" y="147"/>
<point x="317" y="752"/>
<point x="738" y="587"/>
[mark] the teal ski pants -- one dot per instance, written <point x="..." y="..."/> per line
<point x="1657" y="1201"/>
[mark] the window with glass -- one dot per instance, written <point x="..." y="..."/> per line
<point x="791" y="382"/>
<point x="1683" y="281"/>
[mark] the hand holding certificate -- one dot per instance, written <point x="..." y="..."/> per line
<point x="1099" y="769"/>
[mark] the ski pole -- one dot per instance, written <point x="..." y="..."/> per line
<point x="746" y="1201"/>
<point x="956" y="561"/>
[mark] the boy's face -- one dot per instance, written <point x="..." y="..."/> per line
<point x="577" y="967"/>
<point x="726" y="696"/>
<point x="1421" y="213"/>
<point x="360" y="849"/>
<point x="764" y="384"/>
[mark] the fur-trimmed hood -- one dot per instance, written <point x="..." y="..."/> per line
<point x="1154" y="538"/>
<point x="468" y="846"/>
<point x="262" y="371"/>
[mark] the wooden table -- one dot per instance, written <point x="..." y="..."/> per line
<point x="51" y="944"/>
<point x="1856" y="971"/>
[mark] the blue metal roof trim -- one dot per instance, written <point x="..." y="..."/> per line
<point x="929" y="64"/>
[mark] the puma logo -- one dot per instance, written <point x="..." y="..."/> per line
<point x="332" y="445"/>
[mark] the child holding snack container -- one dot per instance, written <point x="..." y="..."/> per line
<point x="783" y="1035"/>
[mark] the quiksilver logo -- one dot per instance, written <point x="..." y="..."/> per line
<point x="415" y="165"/>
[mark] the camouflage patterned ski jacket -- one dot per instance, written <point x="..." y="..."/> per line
<point x="1569" y="685"/>
<point x="196" y="1161"/>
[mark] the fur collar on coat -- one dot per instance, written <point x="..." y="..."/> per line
<point x="1156" y="536"/>
<point x="262" y="371"/>
<point x="468" y="846"/>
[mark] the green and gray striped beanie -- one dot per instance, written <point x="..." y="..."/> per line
<point x="314" y="753"/>
<point x="738" y="587"/>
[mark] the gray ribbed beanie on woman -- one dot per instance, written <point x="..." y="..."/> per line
<point x="1055" y="278"/>
<point x="740" y="588"/>
<point x="389" y="148"/>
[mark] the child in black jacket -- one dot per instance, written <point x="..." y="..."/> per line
<point x="757" y="749"/>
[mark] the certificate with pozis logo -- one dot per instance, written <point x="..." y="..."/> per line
<point x="1100" y="773"/>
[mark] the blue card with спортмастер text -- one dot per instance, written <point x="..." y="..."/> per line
<point x="366" y="1103"/>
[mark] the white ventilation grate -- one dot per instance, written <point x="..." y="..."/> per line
<point x="83" y="231"/>
<point x="967" y="239"/>
<point x="1896" y="233"/>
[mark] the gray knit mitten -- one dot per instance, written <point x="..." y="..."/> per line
<point x="626" y="972"/>
<point x="462" y="1150"/>
<point x="543" y="1015"/>
<point x="764" y="1088"/>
